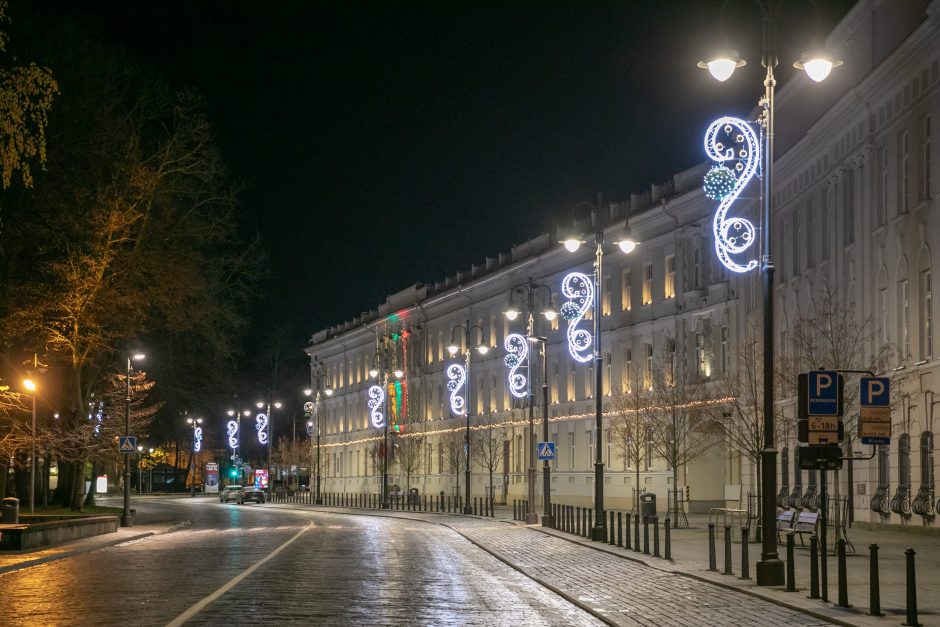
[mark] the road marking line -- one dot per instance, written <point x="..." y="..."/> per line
<point x="198" y="607"/>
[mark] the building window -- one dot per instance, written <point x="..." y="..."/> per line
<point x="670" y="283"/>
<point x="725" y="355"/>
<point x="607" y="366"/>
<point x="905" y="171"/>
<point x="883" y="196"/>
<point x="556" y="380"/>
<point x="647" y="283"/>
<point x="824" y="227"/>
<point x="810" y="233"/>
<point x="848" y="207"/>
<point x="648" y="371"/>
<point x="927" y="158"/>
<point x="926" y="315"/>
<point x="669" y="348"/>
<point x="610" y="458"/>
<point x="590" y="448"/>
<point x="904" y="322"/>
<point x="570" y="386"/>
<point x="883" y="314"/>
<point x="795" y="238"/>
<point x="626" y="285"/>
<point x="605" y="301"/>
<point x="589" y="381"/>
<point x="627" y="378"/>
<point x="440" y="458"/>
<point x="571" y="451"/>
<point x="697" y="267"/>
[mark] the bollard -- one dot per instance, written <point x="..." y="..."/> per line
<point x="745" y="567"/>
<point x="620" y="529"/>
<point x="612" y="540"/>
<point x="627" y="545"/>
<point x="636" y="533"/>
<point x="843" y="582"/>
<point x="727" y="550"/>
<point x="791" y="565"/>
<point x="655" y="536"/>
<point x="646" y="535"/>
<point x="577" y="522"/>
<point x="590" y="523"/>
<point x="874" y="588"/>
<point x="813" y="567"/>
<point x="668" y="528"/>
<point x="911" y="591"/>
<point x="515" y="514"/>
<point x="712" y="565"/>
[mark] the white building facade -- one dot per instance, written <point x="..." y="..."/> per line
<point x="855" y="235"/>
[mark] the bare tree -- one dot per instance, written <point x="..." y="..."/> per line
<point x="454" y="456"/>
<point x="410" y="455"/>
<point x="489" y="449"/>
<point x="631" y="425"/>
<point x="680" y="433"/>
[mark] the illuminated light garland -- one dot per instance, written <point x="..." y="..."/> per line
<point x="232" y="428"/>
<point x="578" y="287"/>
<point x="197" y="439"/>
<point x="456" y="379"/>
<point x="517" y="348"/>
<point x="522" y="422"/>
<point x="261" y="424"/>
<point x="376" y="403"/>
<point x="733" y="236"/>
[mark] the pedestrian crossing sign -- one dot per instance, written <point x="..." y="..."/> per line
<point x="546" y="450"/>
<point x="128" y="444"/>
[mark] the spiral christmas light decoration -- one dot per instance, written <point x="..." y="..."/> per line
<point x="456" y="379"/>
<point x="376" y="406"/>
<point x="197" y="439"/>
<point x="517" y="349"/>
<point x="261" y="424"/>
<point x="731" y="142"/>
<point x="578" y="287"/>
<point x="232" y="430"/>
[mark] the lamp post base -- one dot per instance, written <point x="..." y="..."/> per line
<point x="531" y="518"/>
<point x="770" y="573"/>
<point x="468" y="509"/>
<point x="548" y="521"/>
<point x="127" y="520"/>
<point x="599" y="533"/>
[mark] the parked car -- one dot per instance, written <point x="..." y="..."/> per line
<point x="230" y="493"/>
<point x="250" y="493"/>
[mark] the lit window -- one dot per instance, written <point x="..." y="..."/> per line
<point x="926" y="315"/>
<point x="625" y="288"/>
<point x="905" y="171"/>
<point x="670" y="283"/>
<point x="904" y="322"/>
<point x="883" y="197"/>
<point x="926" y="158"/>
<point x="647" y="283"/>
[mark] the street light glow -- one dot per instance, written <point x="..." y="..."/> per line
<point x="329" y="391"/>
<point x="452" y="349"/>
<point x="571" y="244"/>
<point x="817" y="64"/>
<point x="722" y="65"/>
<point x="512" y="313"/>
<point x="29" y="384"/>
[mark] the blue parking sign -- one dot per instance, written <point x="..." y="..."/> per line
<point x="823" y="397"/>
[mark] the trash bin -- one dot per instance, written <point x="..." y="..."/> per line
<point x="647" y="504"/>
<point x="11" y="511"/>
<point x="413" y="498"/>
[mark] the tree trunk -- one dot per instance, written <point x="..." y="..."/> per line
<point x="77" y="488"/>
<point x="4" y="469"/>
<point x="90" y="497"/>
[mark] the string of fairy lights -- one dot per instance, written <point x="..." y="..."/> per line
<point x="512" y="422"/>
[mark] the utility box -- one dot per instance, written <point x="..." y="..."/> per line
<point x="647" y="505"/>
<point x="10" y="514"/>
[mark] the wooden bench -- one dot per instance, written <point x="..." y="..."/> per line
<point x="785" y="521"/>
<point x="806" y="523"/>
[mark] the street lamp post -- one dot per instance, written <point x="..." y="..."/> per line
<point x="453" y="349"/>
<point x="30" y="385"/>
<point x="817" y="65"/>
<point x="266" y="432"/>
<point x="530" y="288"/>
<point x="375" y="373"/>
<point x="235" y="436"/>
<point x="318" y="377"/>
<point x="140" y="470"/>
<point x="197" y="446"/>
<point x="547" y="516"/>
<point x="627" y="245"/>
<point x="126" y="520"/>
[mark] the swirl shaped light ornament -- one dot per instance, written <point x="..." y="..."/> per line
<point x="261" y="424"/>
<point x="456" y="380"/>
<point x="232" y="431"/>
<point x="517" y="351"/>
<point x="579" y="288"/>
<point x="733" y="144"/>
<point x="197" y="439"/>
<point x="376" y="404"/>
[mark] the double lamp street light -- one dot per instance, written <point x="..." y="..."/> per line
<point x="126" y="519"/>
<point x="817" y="64"/>
<point x="318" y="379"/>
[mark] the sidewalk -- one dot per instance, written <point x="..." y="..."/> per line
<point x="627" y="585"/>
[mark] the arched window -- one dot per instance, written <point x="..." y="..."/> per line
<point x="925" y="304"/>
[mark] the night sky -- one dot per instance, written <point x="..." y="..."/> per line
<point x="388" y="143"/>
